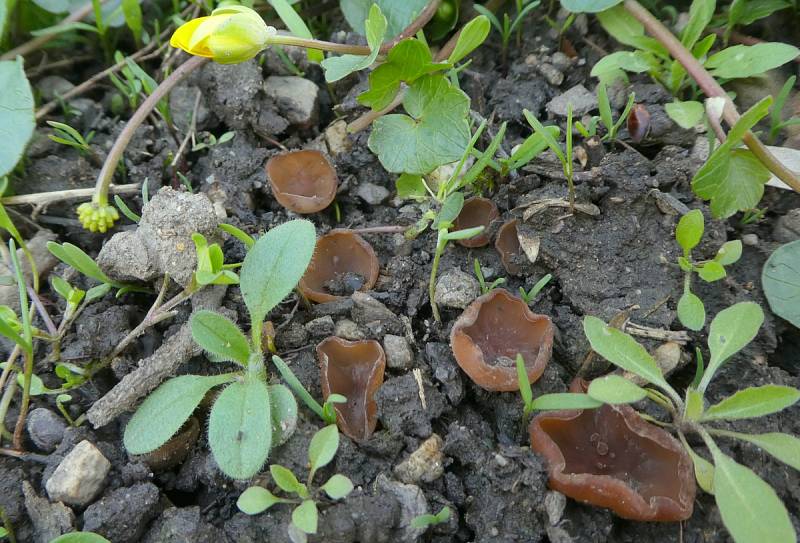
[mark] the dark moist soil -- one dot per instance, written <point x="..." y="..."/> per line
<point x="492" y="481"/>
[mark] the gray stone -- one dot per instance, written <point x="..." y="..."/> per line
<point x="373" y="315"/>
<point x="554" y="505"/>
<point x="122" y="516"/>
<point x="787" y="228"/>
<point x="553" y="75"/>
<point x="412" y="504"/>
<point x="561" y="61"/>
<point x="297" y="98"/>
<point x="349" y="330"/>
<point x="45" y="428"/>
<point x="53" y="86"/>
<point x="456" y="289"/>
<point x="583" y="101"/>
<point x="80" y="476"/>
<point x="320" y="327"/>
<point x="398" y="352"/>
<point x="750" y="240"/>
<point x="49" y="520"/>
<point x="372" y="194"/>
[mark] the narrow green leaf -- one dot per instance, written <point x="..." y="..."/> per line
<point x="621" y="25"/>
<point x="524" y="383"/>
<point x="73" y="256"/>
<point x="750" y="60"/>
<point x="753" y="402"/>
<point x="691" y="311"/>
<point x="604" y="105"/>
<point x="304" y="517"/>
<point x="285" y="479"/>
<point x="239" y="428"/>
<point x="703" y="471"/>
<point x="218" y="335"/>
<point x="613" y="389"/>
<point x="133" y="17"/>
<point x="323" y="447"/>
<point x="256" y="499"/>
<point x="730" y="331"/>
<point x="274" y="265"/>
<point x="564" y="400"/>
<point x="337" y="487"/>
<point x="784" y="447"/>
<point x="149" y="428"/>
<point x="472" y="35"/>
<point x="296" y="25"/>
<point x="588" y="6"/>
<point x="80" y="537"/>
<point x="690" y="229"/>
<point x="700" y="15"/>
<point x="241" y="235"/>
<point x="546" y="134"/>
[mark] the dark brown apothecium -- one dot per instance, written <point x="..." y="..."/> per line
<point x="477" y="211"/>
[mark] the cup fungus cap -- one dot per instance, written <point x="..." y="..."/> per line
<point x="353" y="369"/>
<point x="476" y="212"/>
<point x="490" y="333"/>
<point x="302" y="181"/>
<point x="611" y="457"/>
<point x="343" y="263"/>
<point x="509" y="248"/>
<point x="175" y="450"/>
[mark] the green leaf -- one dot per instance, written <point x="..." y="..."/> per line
<point x="241" y="235"/>
<point x="149" y="428"/>
<point x="614" y="389"/>
<point x="95" y="293"/>
<point x="685" y="114"/>
<point x="753" y="402"/>
<point x="297" y="387"/>
<point x="239" y="428"/>
<point x="522" y="377"/>
<point x="548" y="136"/>
<point x="73" y="256"/>
<point x="256" y="499"/>
<point x="323" y="447"/>
<point x="531" y="147"/>
<point x="450" y="210"/>
<point x="700" y="15"/>
<point x="434" y="132"/>
<point x="283" y="412"/>
<point x="730" y="331"/>
<point x="690" y="229"/>
<point x="781" y="281"/>
<point x="623" y="351"/>
<point x="337" y="487"/>
<point x="472" y="36"/>
<point x="218" y="335"/>
<point x="341" y="66"/>
<point x="784" y="447"/>
<point x="4" y="10"/>
<point x="691" y="311"/>
<point x="750" y="60"/>
<point x="133" y="17"/>
<point x="750" y="509"/>
<point x="274" y="265"/>
<point x="406" y="62"/>
<point x="621" y="25"/>
<point x="7" y="330"/>
<point x="16" y="114"/>
<point x="296" y="25"/>
<point x="80" y="537"/>
<point x="694" y="404"/>
<point x="304" y="516"/>
<point x="285" y="479"/>
<point x="398" y="14"/>
<point x="752" y="10"/>
<point x="703" y="471"/>
<point x="635" y="62"/>
<point x="729" y="253"/>
<point x="411" y="187"/>
<point x="588" y="6"/>
<point x="711" y="271"/>
<point x="564" y="400"/>
<point x="732" y="180"/>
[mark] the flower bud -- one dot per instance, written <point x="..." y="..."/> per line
<point x="97" y="218"/>
<point x="229" y="35"/>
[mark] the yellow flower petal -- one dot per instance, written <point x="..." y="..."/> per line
<point x="183" y="35"/>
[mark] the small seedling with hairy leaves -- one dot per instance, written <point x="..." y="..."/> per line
<point x="321" y="450"/>
<point x="249" y="416"/>
<point x="688" y="234"/>
<point x="426" y="521"/>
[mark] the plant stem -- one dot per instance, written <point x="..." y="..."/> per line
<point x="710" y="87"/>
<point x="26" y="401"/>
<point x="441" y="244"/>
<point x="310" y="43"/>
<point x="5" y="402"/>
<point x="115" y="154"/>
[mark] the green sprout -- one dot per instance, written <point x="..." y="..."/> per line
<point x="321" y="450"/>
<point x="777" y="123"/>
<point x="530" y="296"/>
<point x="425" y="521"/>
<point x="484" y="286"/>
<point x="688" y="234"/>
<point x="66" y="135"/>
<point x="564" y="154"/>
<point x="508" y="26"/>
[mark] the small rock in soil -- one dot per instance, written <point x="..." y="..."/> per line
<point x="80" y="476"/>
<point x="372" y="194"/>
<point x="581" y="99"/>
<point x="293" y="336"/>
<point x="751" y="240"/>
<point x="53" y="86"/>
<point x="553" y="75"/>
<point x="456" y="289"/>
<point x="337" y="138"/>
<point x="347" y="329"/>
<point x="412" y="504"/>
<point x="510" y="96"/>
<point x="122" y="515"/>
<point x="45" y="428"/>
<point x="554" y="505"/>
<point x="320" y="327"/>
<point x="371" y="314"/>
<point x="183" y="525"/>
<point x="400" y="407"/>
<point x="426" y="464"/>
<point x="398" y="352"/>
<point x="49" y="520"/>
<point x="344" y="284"/>
<point x="297" y="98"/>
<point x="787" y="227"/>
<point x="361" y="518"/>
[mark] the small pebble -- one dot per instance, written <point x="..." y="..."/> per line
<point x="80" y="476"/>
<point x="398" y="352"/>
<point x="456" y="289"/>
<point x="45" y="428"/>
<point x="750" y="240"/>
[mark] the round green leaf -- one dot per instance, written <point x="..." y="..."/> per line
<point x="304" y="517"/>
<point x="691" y="312"/>
<point x="711" y="271"/>
<point x="218" y="335"/>
<point x="239" y="429"/>
<point x="80" y="537"/>
<point x="338" y="486"/>
<point x="729" y="253"/>
<point x="255" y="500"/>
<point x="781" y="281"/>
<point x="16" y="114"/>
<point x="685" y="114"/>
<point x="690" y="230"/>
<point x="323" y="447"/>
<point x="275" y="264"/>
<point x="614" y="389"/>
<point x="283" y="412"/>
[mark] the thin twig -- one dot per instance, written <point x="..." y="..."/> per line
<point x="394" y="229"/>
<point x="47" y="198"/>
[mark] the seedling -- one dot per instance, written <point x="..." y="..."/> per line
<point x="688" y="234"/>
<point x="66" y="135"/>
<point x="208" y="140"/>
<point x="564" y="154"/>
<point x="249" y="416"/>
<point x="606" y="116"/>
<point x="530" y="296"/>
<point x="426" y="521"/>
<point x="508" y="26"/>
<point x="776" y="114"/>
<point x="321" y="450"/>
<point x="325" y="411"/>
<point x="484" y="286"/>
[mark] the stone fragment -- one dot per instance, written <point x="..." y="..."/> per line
<point x="80" y="476"/>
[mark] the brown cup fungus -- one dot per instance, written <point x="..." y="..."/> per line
<point x="175" y="450"/>
<point x="509" y="248"/>
<point x="343" y="263"/>
<point x="490" y="333"/>
<point x="302" y="181"/>
<point x="353" y="369"/>
<point x="476" y="212"/>
<point x="611" y="457"/>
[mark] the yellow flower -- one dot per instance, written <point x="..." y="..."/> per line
<point x="97" y="218"/>
<point x="229" y="35"/>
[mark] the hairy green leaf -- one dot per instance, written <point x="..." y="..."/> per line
<point x="256" y="499"/>
<point x="283" y="411"/>
<point x="784" y="447"/>
<point x="149" y="428"/>
<point x="703" y="471"/>
<point x="614" y="389"/>
<point x="781" y="281"/>
<point x="275" y="264"/>
<point x="753" y="402"/>
<point x="730" y="331"/>
<point x="323" y="447"/>
<point x="337" y="487"/>
<point x="218" y="335"/>
<point x="337" y="67"/>
<point x="691" y="311"/>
